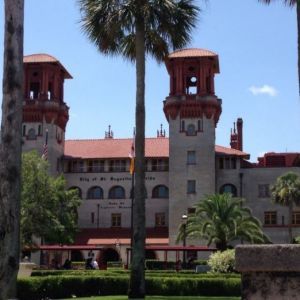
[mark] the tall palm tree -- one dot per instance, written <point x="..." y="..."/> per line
<point x="222" y="219"/>
<point x="286" y="192"/>
<point x="297" y="4"/>
<point x="133" y="29"/>
<point x="10" y="147"/>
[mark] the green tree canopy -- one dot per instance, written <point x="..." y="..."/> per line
<point x="286" y="192"/>
<point x="222" y="219"/>
<point x="48" y="210"/>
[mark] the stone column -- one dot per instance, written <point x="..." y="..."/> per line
<point x="269" y="272"/>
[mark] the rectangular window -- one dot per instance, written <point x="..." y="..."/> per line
<point x="76" y="166"/>
<point x="24" y="130"/>
<point x="270" y="217"/>
<point x="191" y="211"/>
<point x="92" y="218"/>
<point x="296" y="218"/>
<point x="159" y="164"/>
<point x="95" y="166"/>
<point x="227" y="163"/>
<point x="191" y="186"/>
<point x="191" y="157"/>
<point x="117" y="165"/>
<point x="115" y="220"/>
<point x="160" y="219"/>
<point x="221" y="163"/>
<point x="40" y="130"/>
<point x="233" y="163"/>
<point x="263" y="191"/>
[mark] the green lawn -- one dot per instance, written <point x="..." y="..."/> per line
<point x="159" y="298"/>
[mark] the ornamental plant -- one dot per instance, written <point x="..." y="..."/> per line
<point x="222" y="261"/>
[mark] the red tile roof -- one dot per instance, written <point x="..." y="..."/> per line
<point x="45" y="58"/>
<point x="39" y="58"/>
<point x="120" y="148"/>
<point x="86" y="236"/>
<point x="221" y="150"/>
<point x="272" y="159"/>
<point x="192" y="52"/>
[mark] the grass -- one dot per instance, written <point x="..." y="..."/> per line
<point x="158" y="298"/>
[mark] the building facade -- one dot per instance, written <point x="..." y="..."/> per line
<point x="180" y="169"/>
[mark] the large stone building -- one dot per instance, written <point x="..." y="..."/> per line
<point x="180" y="169"/>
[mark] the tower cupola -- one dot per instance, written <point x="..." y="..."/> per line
<point x="192" y="90"/>
<point x="45" y="114"/>
<point x="44" y="90"/>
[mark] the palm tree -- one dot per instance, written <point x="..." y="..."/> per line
<point x="222" y="219"/>
<point x="297" y="4"/>
<point x="133" y="29"/>
<point x="286" y="192"/>
<point x="10" y="147"/>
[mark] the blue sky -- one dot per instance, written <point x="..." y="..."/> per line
<point x="258" y="80"/>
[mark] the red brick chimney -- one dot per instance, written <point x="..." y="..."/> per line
<point x="236" y="136"/>
<point x="239" y="125"/>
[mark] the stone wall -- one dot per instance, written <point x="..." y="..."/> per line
<point x="269" y="272"/>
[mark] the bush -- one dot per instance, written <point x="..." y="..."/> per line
<point x="58" y="287"/>
<point x="154" y="264"/>
<point x="114" y="264"/>
<point x="222" y="262"/>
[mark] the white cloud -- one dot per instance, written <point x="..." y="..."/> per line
<point x="263" y="90"/>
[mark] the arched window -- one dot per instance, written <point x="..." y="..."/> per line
<point x="116" y="192"/>
<point x="229" y="188"/>
<point x="78" y="190"/>
<point x="95" y="192"/>
<point x="191" y="129"/>
<point x="160" y="191"/>
<point x="31" y="134"/>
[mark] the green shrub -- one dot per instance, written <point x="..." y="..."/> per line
<point x="114" y="264"/>
<point x="222" y="262"/>
<point x="154" y="264"/>
<point x="200" y="262"/>
<point x="58" y="287"/>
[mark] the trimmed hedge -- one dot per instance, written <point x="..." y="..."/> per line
<point x="79" y="273"/>
<point x="155" y="264"/>
<point x="56" y="287"/>
<point x="125" y="273"/>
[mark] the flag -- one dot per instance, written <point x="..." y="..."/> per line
<point x="132" y="154"/>
<point x="45" y="148"/>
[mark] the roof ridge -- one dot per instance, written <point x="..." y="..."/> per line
<point x="115" y="139"/>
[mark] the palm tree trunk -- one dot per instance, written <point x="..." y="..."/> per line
<point x="298" y="28"/>
<point x="137" y="274"/>
<point x="290" y="221"/>
<point x="10" y="148"/>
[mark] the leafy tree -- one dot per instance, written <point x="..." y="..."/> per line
<point x="222" y="219"/>
<point x="10" y="147"/>
<point x="292" y="3"/>
<point x="48" y="210"/>
<point x="133" y="29"/>
<point x="286" y="192"/>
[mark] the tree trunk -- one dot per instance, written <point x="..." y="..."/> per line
<point x="290" y="221"/>
<point x="298" y="31"/>
<point x="137" y="274"/>
<point x="10" y="148"/>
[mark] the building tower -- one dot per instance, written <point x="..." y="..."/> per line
<point x="192" y="110"/>
<point x="44" y="108"/>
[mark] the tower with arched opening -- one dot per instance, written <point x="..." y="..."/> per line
<point x="193" y="110"/>
<point x="44" y="109"/>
